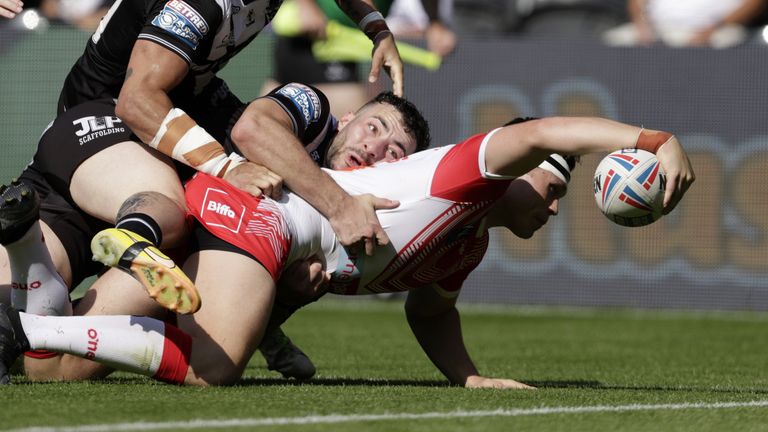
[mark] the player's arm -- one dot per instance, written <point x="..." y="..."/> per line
<point x="264" y="134"/>
<point x="516" y="149"/>
<point x="385" y="54"/>
<point x="143" y="104"/>
<point x="436" y="324"/>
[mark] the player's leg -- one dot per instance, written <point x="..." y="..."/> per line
<point x="226" y="330"/>
<point x="147" y="206"/>
<point x="114" y="293"/>
<point x="34" y="261"/>
<point x="211" y="347"/>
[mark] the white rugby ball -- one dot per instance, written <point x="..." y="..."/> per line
<point x="629" y="187"/>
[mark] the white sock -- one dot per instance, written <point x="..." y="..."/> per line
<point x="37" y="287"/>
<point x="130" y="343"/>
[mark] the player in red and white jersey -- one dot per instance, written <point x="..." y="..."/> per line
<point x="504" y="178"/>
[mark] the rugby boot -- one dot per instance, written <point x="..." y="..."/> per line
<point x="13" y="341"/>
<point x="19" y="210"/>
<point x="285" y="357"/>
<point x="164" y="281"/>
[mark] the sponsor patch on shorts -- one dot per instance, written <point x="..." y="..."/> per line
<point x="305" y="99"/>
<point x="221" y="210"/>
<point x="182" y="21"/>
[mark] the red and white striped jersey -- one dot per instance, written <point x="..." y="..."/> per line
<point x="437" y="234"/>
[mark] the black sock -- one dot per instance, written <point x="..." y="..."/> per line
<point x="143" y="225"/>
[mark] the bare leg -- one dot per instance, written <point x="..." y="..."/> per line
<point x="238" y="294"/>
<point x="101" y="193"/>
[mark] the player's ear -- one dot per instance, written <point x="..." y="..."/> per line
<point x="345" y="119"/>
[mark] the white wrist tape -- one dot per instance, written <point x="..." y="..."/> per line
<point x="182" y="139"/>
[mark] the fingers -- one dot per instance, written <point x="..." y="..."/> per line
<point x="384" y="203"/>
<point x="9" y="8"/>
<point x="497" y="383"/>
<point x="396" y="74"/>
<point x="385" y="56"/>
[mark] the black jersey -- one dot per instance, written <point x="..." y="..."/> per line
<point x="205" y="33"/>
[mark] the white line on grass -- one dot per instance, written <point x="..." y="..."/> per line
<point x="339" y="418"/>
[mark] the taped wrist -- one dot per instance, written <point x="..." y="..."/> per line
<point x="184" y="140"/>
<point x="651" y="141"/>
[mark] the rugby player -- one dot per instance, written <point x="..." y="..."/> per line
<point x="386" y="128"/>
<point x="158" y="59"/>
<point x="512" y="177"/>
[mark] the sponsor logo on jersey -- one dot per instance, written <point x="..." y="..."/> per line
<point x="93" y="127"/>
<point x="182" y="21"/>
<point x="304" y="99"/>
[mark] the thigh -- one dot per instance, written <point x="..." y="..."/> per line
<point x="102" y="183"/>
<point x="237" y="295"/>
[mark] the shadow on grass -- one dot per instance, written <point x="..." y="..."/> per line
<point x="597" y="385"/>
<point x="341" y="382"/>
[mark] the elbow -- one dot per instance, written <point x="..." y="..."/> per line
<point x="245" y="134"/>
<point x="127" y="107"/>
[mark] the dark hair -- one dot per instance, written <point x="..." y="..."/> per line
<point x="571" y="160"/>
<point x="415" y="124"/>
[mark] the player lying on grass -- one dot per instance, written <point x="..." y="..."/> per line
<point x="449" y="197"/>
<point x="48" y="250"/>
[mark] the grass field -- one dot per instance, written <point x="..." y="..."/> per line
<point x="595" y="370"/>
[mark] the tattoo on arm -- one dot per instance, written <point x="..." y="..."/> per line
<point x="128" y="73"/>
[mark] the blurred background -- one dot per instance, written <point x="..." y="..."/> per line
<point x="683" y="66"/>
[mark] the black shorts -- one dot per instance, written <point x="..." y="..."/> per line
<point x="83" y="131"/>
<point x="294" y="62"/>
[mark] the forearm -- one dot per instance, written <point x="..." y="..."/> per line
<point x="143" y="110"/>
<point x="267" y="142"/>
<point x="441" y="339"/>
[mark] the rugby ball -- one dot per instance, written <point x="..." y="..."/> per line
<point x="629" y="187"/>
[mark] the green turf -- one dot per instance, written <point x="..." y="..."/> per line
<point x="369" y="364"/>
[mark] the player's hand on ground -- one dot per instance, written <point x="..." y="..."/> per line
<point x="356" y="224"/>
<point x="477" y="381"/>
<point x="386" y="56"/>
<point x="303" y="282"/>
<point x="256" y="180"/>
<point x="9" y="8"/>
<point x="678" y="170"/>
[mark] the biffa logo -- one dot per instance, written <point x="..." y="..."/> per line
<point x="221" y="209"/>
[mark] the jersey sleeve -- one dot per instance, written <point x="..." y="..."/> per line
<point x="186" y="27"/>
<point x="308" y="109"/>
<point x="461" y="174"/>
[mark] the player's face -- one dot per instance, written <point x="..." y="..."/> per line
<point x="373" y="134"/>
<point x="531" y="199"/>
